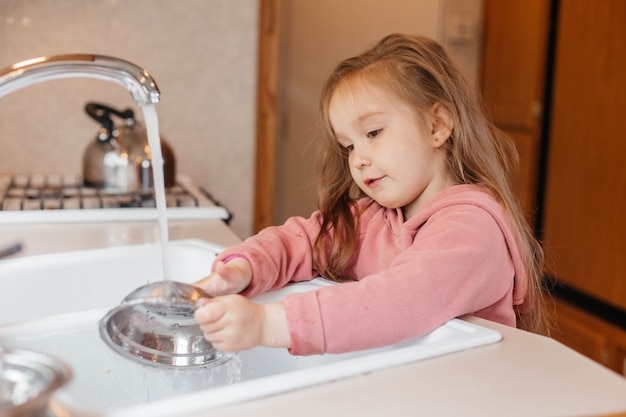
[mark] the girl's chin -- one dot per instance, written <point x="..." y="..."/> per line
<point x="386" y="204"/>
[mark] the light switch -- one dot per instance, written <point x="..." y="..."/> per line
<point x="461" y="28"/>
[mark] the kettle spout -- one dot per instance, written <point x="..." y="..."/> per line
<point x="136" y="80"/>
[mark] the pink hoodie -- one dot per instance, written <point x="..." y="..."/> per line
<point x="457" y="255"/>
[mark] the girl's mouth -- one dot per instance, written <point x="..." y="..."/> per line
<point x="372" y="182"/>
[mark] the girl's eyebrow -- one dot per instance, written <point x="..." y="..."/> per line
<point x="366" y="116"/>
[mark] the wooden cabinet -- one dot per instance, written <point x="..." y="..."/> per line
<point x="584" y="224"/>
<point x="583" y="228"/>
<point x="590" y="336"/>
<point x="513" y="78"/>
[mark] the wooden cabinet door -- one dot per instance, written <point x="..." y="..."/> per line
<point x="513" y="77"/>
<point x="591" y="336"/>
<point x="514" y="61"/>
<point x="584" y="221"/>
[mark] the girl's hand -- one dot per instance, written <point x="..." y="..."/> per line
<point x="233" y="323"/>
<point x="227" y="278"/>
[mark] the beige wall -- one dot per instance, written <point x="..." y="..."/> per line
<point x="202" y="53"/>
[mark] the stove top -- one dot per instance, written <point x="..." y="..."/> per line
<point x="28" y="198"/>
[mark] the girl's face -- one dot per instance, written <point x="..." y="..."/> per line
<point x="393" y="156"/>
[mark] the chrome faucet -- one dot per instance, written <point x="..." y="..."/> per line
<point x="135" y="79"/>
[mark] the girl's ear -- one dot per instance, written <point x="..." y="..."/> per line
<point x="441" y="125"/>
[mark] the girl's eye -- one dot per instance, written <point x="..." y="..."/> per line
<point x="374" y="133"/>
<point x="348" y="148"/>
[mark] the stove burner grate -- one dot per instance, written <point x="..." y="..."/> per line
<point x="58" y="192"/>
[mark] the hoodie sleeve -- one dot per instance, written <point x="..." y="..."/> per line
<point x="279" y="254"/>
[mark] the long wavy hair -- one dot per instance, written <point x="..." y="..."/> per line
<point x="418" y="71"/>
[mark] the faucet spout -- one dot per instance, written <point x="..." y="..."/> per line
<point x="136" y="80"/>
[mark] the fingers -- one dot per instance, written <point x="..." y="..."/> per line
<point x="227" y="278"/>
<point x="220" y="282"/>
<point x="237" y="272"/>
<point x="210" y="315"/>
<point x="229" y="322"/>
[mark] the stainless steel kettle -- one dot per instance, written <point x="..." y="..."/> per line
<point x="119" y="159"/>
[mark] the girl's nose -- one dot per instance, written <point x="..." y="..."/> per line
<point x="359" y="159"/>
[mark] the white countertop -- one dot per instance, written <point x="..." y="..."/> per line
<point x="523" y="375"/>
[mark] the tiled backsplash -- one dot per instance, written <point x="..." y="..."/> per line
<point x="202" y="54"/>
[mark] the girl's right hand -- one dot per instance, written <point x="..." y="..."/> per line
<point x="227" y="278"/>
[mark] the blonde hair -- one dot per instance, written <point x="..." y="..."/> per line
<point x="419" y="72"/>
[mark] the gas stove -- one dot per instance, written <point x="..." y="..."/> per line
<point x="53" y="198"/>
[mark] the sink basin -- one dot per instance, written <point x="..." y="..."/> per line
<point x="45" y="285"/>
<point x="53" y="303"/>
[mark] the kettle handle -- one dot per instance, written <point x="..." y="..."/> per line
<point x="102" y="114"/>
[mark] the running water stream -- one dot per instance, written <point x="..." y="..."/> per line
<point x="154" y="141"/>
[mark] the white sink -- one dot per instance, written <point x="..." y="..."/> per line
<point x="52" y="304"/>
<point x="44" y="285"/>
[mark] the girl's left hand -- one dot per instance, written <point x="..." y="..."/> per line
<point x="234" y="323"/>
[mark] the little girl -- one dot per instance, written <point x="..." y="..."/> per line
<point x="418" y="220"/>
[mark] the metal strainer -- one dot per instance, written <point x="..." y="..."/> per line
<point x="154" y="324"/>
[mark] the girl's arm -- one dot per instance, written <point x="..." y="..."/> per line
<point x="276" y="255"/>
